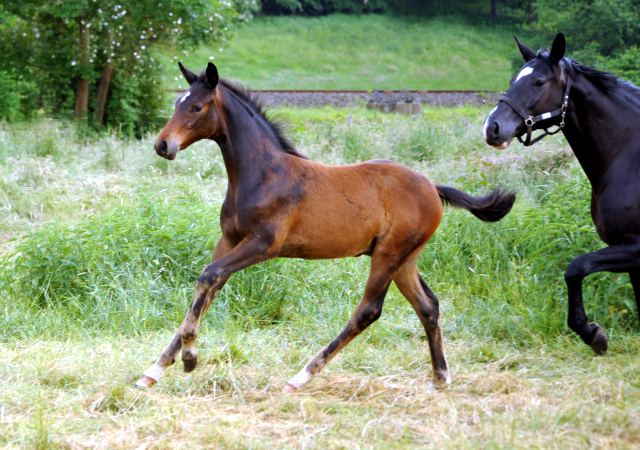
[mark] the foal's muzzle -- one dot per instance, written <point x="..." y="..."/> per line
<point x="161" y="149"/>
<point x="167" y="150"/>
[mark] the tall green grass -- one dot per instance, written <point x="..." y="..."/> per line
<point x="101" y="242"/>
<point x="129" y="266"/>
<point x="358" y="52"/>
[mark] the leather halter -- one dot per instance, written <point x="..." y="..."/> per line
<point x="530" y="120"/>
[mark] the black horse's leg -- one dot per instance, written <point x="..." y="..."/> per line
<point x="367" y="312"/>
<point x="635" y="282"/>
<point x="611" y="259"/>
<point x="425" y="304"/>
<point x="227" y="260"/>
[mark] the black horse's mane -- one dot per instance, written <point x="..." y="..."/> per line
<point x="254" y="103"/>
<point x="606" y="81"/>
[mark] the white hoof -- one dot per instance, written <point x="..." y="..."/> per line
<point x="146" y="382"/>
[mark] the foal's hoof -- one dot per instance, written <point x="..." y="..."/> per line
<point x="190" y="364"/>
<point x="600" y="342"/>
<point x="289" y="389"/>
<point x="146" y="382"/>
<point x="441" y="380"/>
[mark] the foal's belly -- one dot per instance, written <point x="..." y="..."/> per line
<point x="331" y="237"/>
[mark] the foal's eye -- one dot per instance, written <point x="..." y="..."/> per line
<point x="539" y="82"/>
<point x="196" y="108"/>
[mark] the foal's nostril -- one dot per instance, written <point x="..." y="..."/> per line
<point x="162" y="148"/>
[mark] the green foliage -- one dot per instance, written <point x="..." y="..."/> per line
<point x="14" y="97"/>
<point x="472" y="9"/>
<point x="321" y="7"/>
<point x="601" y="33"/>
<point x="39" y="40"/>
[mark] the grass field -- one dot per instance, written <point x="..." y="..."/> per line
<point x="101" y="242"/>
<point x="358" y="52"/>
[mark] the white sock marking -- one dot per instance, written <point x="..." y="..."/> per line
<point x="154" y="372"/>
<point x="301" y="378"/>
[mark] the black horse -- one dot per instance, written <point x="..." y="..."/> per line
<point x="599" y="115"/>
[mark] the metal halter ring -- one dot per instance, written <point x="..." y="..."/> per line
<point x="529" y="121"/>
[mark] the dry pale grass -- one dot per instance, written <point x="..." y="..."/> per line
<point x="79" y="395"/>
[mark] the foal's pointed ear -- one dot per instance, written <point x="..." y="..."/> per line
<point x="212" y="75"/>
<point x="525" y="51"/>
<point x="188" y="75"/>
<point x="558" y="48"/>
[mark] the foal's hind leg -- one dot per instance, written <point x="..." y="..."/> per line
<point x="170" y="353"/>
<point x="425" y="303"/>
<point x="367" y="312"/>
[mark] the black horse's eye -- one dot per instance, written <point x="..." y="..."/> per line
<point x="196" y="108"/>
<point x="539" y="82"/>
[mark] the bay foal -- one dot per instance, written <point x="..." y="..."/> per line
<point x="280" y="204"/>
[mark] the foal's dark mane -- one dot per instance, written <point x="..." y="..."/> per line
<point x="254" y="103"/>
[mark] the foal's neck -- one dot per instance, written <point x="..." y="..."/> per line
<point x="247" y="143"/>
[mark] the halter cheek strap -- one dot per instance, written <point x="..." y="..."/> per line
<point x="530" y="120"/>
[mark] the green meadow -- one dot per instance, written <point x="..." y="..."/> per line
<point x="358" y="52"/>
<point x="101" y="242"/>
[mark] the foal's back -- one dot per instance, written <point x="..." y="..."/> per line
<point x="358" y="205"/>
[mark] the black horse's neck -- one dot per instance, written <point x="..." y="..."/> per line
<point x="601" y="118"/>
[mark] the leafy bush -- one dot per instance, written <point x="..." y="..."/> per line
<point x="15" y="96"/>
<point x="601" y="33"/>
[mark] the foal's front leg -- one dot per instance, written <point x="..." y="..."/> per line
<point x="248" y="252"/>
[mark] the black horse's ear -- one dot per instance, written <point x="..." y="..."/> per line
<point x="558" y="49"/>
<point x="212" y="75"/>
<point x="525" y="51"/>
<point x="188" y="75"/>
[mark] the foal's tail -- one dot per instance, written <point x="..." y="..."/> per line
<point x="489" y="208"/>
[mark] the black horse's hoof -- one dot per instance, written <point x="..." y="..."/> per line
<point x="190" y="364"/>
<point x="600" y="342"/>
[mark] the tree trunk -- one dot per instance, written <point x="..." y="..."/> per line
<point x="82" y="88"/>
<point x="494" y="11"/>
<point x="532" y="13"/>
<point x="103" y="90"/>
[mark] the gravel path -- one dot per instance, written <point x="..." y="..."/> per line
<point x="305" y="99"/>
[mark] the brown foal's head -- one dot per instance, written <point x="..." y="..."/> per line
<point x="196" y="116"/>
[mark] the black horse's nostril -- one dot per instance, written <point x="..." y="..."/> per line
<point x="162" y="148"/>
<point x="495" y="129"/>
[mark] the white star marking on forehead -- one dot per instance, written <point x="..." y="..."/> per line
<point x="524" y="72"/>
<point x="184" y="97"/>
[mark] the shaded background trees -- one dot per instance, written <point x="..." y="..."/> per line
<point x="95" y="59"/>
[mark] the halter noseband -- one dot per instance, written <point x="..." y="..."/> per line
<point x="530" y="120"/>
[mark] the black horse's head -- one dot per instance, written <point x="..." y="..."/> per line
<point x="535" y="96"/>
